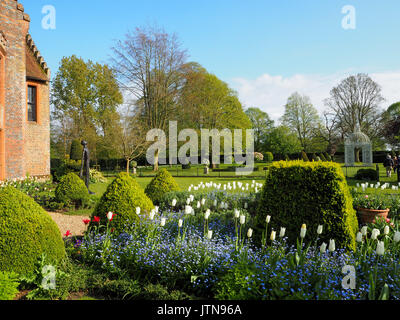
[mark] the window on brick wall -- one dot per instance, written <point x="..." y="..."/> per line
<point x="32" y="103"/>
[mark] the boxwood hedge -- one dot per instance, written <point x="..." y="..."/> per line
<point x="314" y="193"/>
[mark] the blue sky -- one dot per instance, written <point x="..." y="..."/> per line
<point x="264" y="49"/>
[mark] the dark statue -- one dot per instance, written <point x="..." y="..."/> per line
<point x="85" y="164"/>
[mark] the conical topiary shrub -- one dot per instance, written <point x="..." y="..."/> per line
<point x="161" y="184"/>
<point x="76" y="150"/>
<point x="26" y="232"/>
<point x="71" y="190"/>
<point x="122" y="197"/>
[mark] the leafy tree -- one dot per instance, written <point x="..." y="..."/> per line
<point x="301" y="117"/>
<point x="281" y="140"/>
<point x="85" y="96"/>
<point x="261" y="124"/>
<point x="76" y="150"/>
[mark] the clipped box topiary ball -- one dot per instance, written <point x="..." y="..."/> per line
<point x="122" y="197"/>
<point x="71" y="190"/>
<point x="161" y="184"/>
<point x="26" y="232"/>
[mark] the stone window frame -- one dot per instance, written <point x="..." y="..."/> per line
<point x="37" y="86"/>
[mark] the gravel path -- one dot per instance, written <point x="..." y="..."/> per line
<point x="74" y="224"/>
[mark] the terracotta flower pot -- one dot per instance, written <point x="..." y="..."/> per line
<point x="368" y="215"/>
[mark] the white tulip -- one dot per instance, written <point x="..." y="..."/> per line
<point x="245" y="205"/>
<point x="163" y="221"/>
<point x="282" y="232"/>
<point x="319" y="229"/>
<point x="209" y="234"/>
<point x="380" y="248"/>
<point x="364" y="231"/>
<point x="207" y="214"/>
<point x="110" y="216"/>
<point x="237" y="213"/>
<point x="188" y="201"/>
<point x="152" y="214"/>
<point x="180" y="223"/>
<point x="215" y="203"/>
<point x="156" y="209"/>
<point x="386" y="230"/>
<point x="198" y="204"/>
<point x="268" y="219"/>
<point x="375" y="234"/>
<point x="322" y="249"/>
<point x="303" y="231"/>
<point x="331" y="245"/>
<point x="174" y="202"/>
<point x="203" y="202"/>
<point x="359" y="237"/>
<point x="137" y="210"/>
<point x="242" y="219"/>
<point x="396" y="237"/>
<point x="273" y="236"/>
<point x="188" y="209"/>
<point x="249" y="232"/>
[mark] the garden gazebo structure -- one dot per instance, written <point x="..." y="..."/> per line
<point x="357" y="140"/>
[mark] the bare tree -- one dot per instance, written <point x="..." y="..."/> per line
<point x="132" y="141"/>
<point x="148" y="63"/>
<point x="356" y="101"/>
<point x="328" y="131"/>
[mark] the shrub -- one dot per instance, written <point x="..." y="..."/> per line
<point x="161" y="184"/>
<point x="312" y="193"/>
<point x="8" y="285"/>
<point x="96" y="176"/>
<point x="122" y="197"/>
<point x="76" y="150"/>
<point x="26" y="232"/>
<point x="304" y="156"/>
<point x="269" y="157"/>
<point x="327" y="156"/>
<point x="71" y="190"/>
<point x="322" y="157"/>
<point x="186" y="166"/>
<point x="366" y="174"/>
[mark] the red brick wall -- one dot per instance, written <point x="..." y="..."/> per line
<point x="26" y="145"/>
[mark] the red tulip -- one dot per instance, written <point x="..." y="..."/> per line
<point x="67" y="234"/>
<point x="96" y="219"/>
<point x="86" y="221"/>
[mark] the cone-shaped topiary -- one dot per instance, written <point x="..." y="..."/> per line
<point x="71" y="190"/>
<point x="26" y="232"/>
<point x="76" y="150"/>
<point x="161" y="184"/>
<point x="313" y="193"/>
<point x="304" y="156"/>
<point x="122" y="197"/>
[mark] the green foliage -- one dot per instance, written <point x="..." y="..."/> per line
<point x="96" y="176"/>
<point x="322" y="157"/>
<point x="161" y="184"/>
<point x="26" y="232"/>
<point x="314" y="157"/>
<point x="366" y="174"/>
<point x="8" y="285"/>
<point x="314" y="193"/>
<point x="327" y="156"/>
<point x="76" y="150"/>
<point x="268" y="156"/>
<point x="186" y="166"/>
<point x="281" y="140"/>
<point x="71" y="191"/>
<point x="304" y="156"/>
<point x="122" y="197"/>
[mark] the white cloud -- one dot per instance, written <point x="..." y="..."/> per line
<point x="270" y="93"/>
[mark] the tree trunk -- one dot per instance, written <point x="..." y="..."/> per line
<point x="127" y="165"/>
<point x="155" y="166"/>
